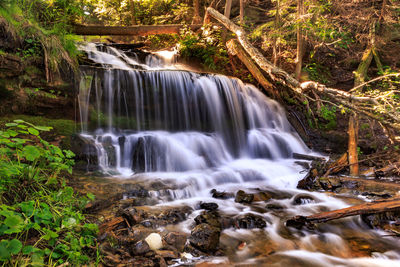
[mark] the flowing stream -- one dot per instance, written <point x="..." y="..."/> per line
<point x="148" y="120"/>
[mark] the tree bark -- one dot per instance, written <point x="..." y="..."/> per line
<point x="276" y="25"/>
<point x="235" y="49"/>
<point x="300" y="39"/>
<point x="366" y="208"/>
<point x="241" y="13"/>
<point x="196" y="15"/>
<point x="352" y="145"/>
<point x="227" y="14"/>
<point x="141" y="30"/>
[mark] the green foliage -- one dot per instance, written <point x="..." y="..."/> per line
<point x="328" y="114"/>
<point x="44" y="28"/>
<point x="317" y="72"/>
<point x="206" y="46"/>
<point x="40" y="217"/>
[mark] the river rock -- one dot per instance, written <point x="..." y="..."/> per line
<point x="140" y="248"/>
<point x="211" y="218"/>
<point x="85" y="153"/>
<point x="274" y="206"/>
<point x="155" y="241"/>
<point x="221" y="195"/>
<point x="262" y="196"/>
<point x="250" y="221"/>
<point x="205" y="237"/>
<point x="209" y="206"/>
<point x="141" y="262"/>
<point x="168" y="254"/>
<point x="302" y="199"/>
<point x="176" y="240"/>
<point x="242" y="197"/>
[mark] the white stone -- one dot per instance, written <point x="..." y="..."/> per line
<point x="154" y="240"/>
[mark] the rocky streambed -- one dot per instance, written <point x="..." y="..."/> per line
<point x="142" y="223"/>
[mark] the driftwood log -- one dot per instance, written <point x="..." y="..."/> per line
<point x="366" y="208"/>
<point x="137" y="30"/>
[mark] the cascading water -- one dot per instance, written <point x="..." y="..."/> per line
<point x="202" y="131"/>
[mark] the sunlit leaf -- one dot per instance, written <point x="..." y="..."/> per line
<point x="33" y="131"/>
<point x="31" y="153"/>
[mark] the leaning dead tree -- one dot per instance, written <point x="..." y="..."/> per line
<point x="369" y="106"/>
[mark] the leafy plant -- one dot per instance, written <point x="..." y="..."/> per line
<point x="40" y="217"/>
<point x="328" y="114"/>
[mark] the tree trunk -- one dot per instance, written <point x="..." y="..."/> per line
<point x="227" y="14"/>
<point x="241" y="13"/>
<point x="196" y="15"/>
<point x="275" y="42"/>
<point x="366" y="208"/>
<point x="141" y="30"/>
<point x="133" y="12"/>
<point x="300" y="39"/>
<point x="234" y="48"/>
<point x="352" y="146"/>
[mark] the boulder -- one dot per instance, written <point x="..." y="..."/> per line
<point x="242" y="197"/>
<point x="211" y="218"/>
<point x="155" y="241"/>
<point x="221" y="195"/>
<point x="205" y="237"/>
<point x="140" y="248"/>
<point x="250" y="221"/>
<point x="176" y="240"/>
<point x="85" y="152"/>
<point x="209" y="206"/>
<point x="302" y="199"/>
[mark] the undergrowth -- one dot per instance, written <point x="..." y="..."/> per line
<point x="41" y="220"/>
<point x="205" y="46"/>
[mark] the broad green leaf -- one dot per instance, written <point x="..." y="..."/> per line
<point x="14" y="223"/>
<point x="19" y="121"/>
<point x="43" y="128"/>
<point x="33" y="131"/>
<point x="12" y="133"/>
<point x="14" y="246"/>
<point x="30" y="152"/>
<point x="28" y="208"/>
<point x="11" y="124"/>
<point x="4" y="252"/>
<point x="29" y="249"/>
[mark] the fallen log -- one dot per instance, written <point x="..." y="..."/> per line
<point x="279" y="75"/>
<point x="273" y="71"/>
<point x="306" y="157"/>
<point x="235" y="49"/>
<point x="366" y="208"/>
<point x="337" y="166"/>
<point x="111" y="225"/>
<point x="137" y="30"/>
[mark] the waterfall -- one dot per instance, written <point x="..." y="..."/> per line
<point x="154" y="118"/>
